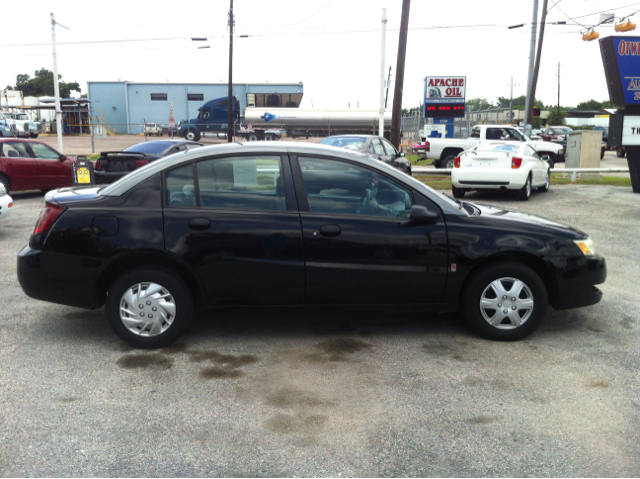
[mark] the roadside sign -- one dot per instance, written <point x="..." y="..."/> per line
<point x="444" y="97"/>
<point x="99" y="132"/>
<point x="172" y="120"/>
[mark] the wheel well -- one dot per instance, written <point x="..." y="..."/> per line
<point x="536" y="264"/>
<point x="5" y="177"/>
<point x="129" y="262"/>
<point x="450" y="151"/>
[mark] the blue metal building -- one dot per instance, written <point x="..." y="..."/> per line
<point x="124" y="107"/>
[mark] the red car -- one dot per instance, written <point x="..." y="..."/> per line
<point x="554" y="133"/>
<point x="32" y="165"/>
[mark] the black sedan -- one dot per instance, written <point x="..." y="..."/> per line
<point x="292" y="223"/>
<point x="373" y="147"/>
<point x="113" y="165"/>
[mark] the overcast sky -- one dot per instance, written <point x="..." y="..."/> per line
<point x="332" y="46"/>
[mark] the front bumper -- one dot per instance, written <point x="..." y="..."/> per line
<point x="58" y="278"/>
<point x="577" y="280"/>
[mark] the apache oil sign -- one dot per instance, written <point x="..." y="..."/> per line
<point x="444" y="97"/>
<point x="621" y="60"/>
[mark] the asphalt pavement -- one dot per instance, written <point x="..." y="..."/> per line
<point x="331" y="392"/>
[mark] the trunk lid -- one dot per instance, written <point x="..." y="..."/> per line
<point x="493" y="159"/>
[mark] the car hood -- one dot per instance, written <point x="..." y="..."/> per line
<point x="546" y="145"/>
<point x="500" y="213"/>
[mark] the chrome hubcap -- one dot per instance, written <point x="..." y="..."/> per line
<point x="506" y="303"/>
<point x="528" y="185"/>
<point x="147" y="309"/>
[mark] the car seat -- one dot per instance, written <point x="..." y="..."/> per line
<point x="12" y="154"/>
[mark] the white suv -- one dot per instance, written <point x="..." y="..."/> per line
<point x="152" y="129"/>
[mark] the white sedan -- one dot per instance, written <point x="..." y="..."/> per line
<point x="6" y="203"/>
<point x="503" y="165"/>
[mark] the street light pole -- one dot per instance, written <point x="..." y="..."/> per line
<point x="532" y="53"/>
<point x="231" y="103"/>
<point x="382" y="82"/>
<point x="56" y="87"/>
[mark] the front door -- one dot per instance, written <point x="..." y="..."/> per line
<point x="232" y="222"/>
<point x="359" y="244"/>
<point x="52" y="171"/>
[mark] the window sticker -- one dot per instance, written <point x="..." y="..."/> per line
<point x="245" y="173"/>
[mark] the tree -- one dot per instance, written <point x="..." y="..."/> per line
<point x="42" y="84"/>
<point x="478" y="104"/>
<point x="556" y="117"/>
<point x="518" y="102"/>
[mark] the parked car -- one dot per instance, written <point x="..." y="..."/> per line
<point x="31" y="165"/>
<point x="113" y="165"/>
<point x="504" y="165"/>
<point x="152" y="129"/>
<point x="554" y="132"/>
<point x="6" y="203"/>
<point x="373" y="147"/>
<point x="286" y="223"/>
<point x="533" y="137"/>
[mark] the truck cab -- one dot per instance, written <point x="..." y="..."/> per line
<point x="212" y="116"/>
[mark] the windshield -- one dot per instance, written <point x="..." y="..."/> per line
<point x="350" y="143"/>
<point x="562" y="131"/>
<point x="151" y="147"/>
<point x="21" y="116"/>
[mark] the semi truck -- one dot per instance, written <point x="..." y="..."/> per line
<point x="275" y="123"/>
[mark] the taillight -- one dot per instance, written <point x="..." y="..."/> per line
<point x="98" y="165"/>
<point x="516" y="163"/>
<point x="427" y="146"/>
<point x="48" y="216"/>
<point x="456" y="162"/>
<point x="141" y="163"/>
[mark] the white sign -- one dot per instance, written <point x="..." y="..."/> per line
<point x="631" y="131"/>
<point x="445" y="89"/>
<point x="245" y="173"/>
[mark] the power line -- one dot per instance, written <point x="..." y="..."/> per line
<point x="302" y="21"/>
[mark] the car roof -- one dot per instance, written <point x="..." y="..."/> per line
<point x="276" y="148"/>
<point x="351" y="136"/>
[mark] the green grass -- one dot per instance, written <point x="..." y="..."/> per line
<point x="414" y="160"/>
<point x="444" y="182"/>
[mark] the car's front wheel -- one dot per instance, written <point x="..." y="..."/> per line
<point x="149" y="307"/>
<point x="504" y="301"/>
<point x="192" y="135"/>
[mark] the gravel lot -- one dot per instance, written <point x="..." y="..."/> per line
<point x="329" y="392"/>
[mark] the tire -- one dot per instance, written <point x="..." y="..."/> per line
<point x="33" y="135"/>
<point x="524" y="193"/>
<point x="487" y="296"/>
<point x="268" y="137"/>
<point x="457" y="192"/>
<point x="159" y="133"/>
<point x="253" y="137"/>
<point x="544" y="188"/>
<point x="169" y="298"/>
<point x="447" y="162"/>
<point x="4" y="181"/>
<point x="620" y="152"/>
<point x="191" y="135"/>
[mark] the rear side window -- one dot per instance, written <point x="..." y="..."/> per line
<point x="15" y="149"/>
<point x="244" y="183"/>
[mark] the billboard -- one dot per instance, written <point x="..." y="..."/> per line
<point x="621" y="60"/>
<point x="444" y="96"/>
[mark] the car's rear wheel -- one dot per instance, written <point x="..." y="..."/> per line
<point x="448" y="162"/>
<point x="149" y="307"/>
<point x="620" y="152"/>
<point x="547" y="182"/>
<point x="525" y="192"/>
<point x="268" y="137"/>
<point x="457" y="192"/>
<point x="504" y="301"/>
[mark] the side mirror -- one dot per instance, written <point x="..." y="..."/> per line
<point x="422" y="215"/>
<point x="63" y="157"/>
<point x="402" y="154"/>
<point x="545" y="158"/>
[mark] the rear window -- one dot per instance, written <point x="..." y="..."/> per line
<point x="352" y="143"/>
<point x="151" y="147"/>
<point x="498" y="147"/>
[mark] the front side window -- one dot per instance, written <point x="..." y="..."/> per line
<point x="43" y="151"/>
<point x="389" y="148"/>
<point x="245" y="183"/>
<point x="377" y="147"/>
<point x="337" y="187"/>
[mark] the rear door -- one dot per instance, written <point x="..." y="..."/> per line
<point x="359" y="244"/>
<point x="235" y="221"/>
<point x="19" y="165"/>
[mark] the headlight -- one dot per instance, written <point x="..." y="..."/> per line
<point x="587" y="246"/>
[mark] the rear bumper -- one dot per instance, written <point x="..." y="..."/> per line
<point x="106" y="177"/>
<point x="577" y="282"/>
<point x="489" y="178"/>
<point x="57" y="278"/>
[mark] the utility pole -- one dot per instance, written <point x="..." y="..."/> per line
<point x="532" y="51"/>
<point x="511" y="101"/>
<point x="231" y="102"/>
<point x="56" y="87"/>
<point x="386" y="95"/>
<point x="382" y="52"/>
<point x="397" y="94"/>
<point x="536" y="69"/>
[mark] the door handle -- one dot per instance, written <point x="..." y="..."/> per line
<point x="199" y="223"/>
<point x="330" y="230"/>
